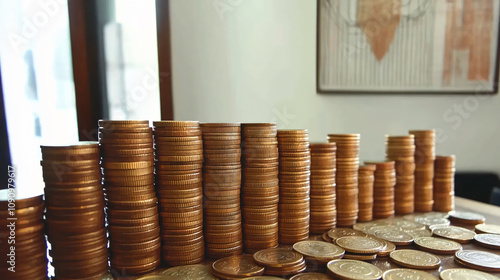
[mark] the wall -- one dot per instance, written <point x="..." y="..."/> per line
<point x="255" y="61"/>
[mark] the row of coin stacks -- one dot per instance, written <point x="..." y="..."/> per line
<point x="29" y="259"/>
<point x="74" y="212"/>
<point x="131" y="204"/>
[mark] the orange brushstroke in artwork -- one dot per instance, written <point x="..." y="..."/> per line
<point x="378" y="19"/>
<point x="479" y="54"/>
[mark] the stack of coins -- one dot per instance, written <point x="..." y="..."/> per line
<point x="323" y="207"/>
<point x="22" y="227"/>
<point x="401" y="149"/>
<point x="280" y="261"/>
<point x="294" y="176"/>
<point x="424" y="168"/>
<point x="132" y="211"/>
<point x="383" y="189"/>
<point x="221" y="187"/>
<point x="347" y="177"/>
<point x="366" y="178"/>
<point x="260" y="187"/>
<point x="179" y="162"/>
<point x="74" y="213"/>
<point x="444" y="183"/>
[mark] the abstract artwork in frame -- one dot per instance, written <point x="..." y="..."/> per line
<point x="430" y="46"/>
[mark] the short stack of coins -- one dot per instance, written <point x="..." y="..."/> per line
<point x="260" y="186"/>
<point x="294" y="184"/>
<point x="366" y="179"/>
<point x="444" y="183"/>
<point x="23" y="250"/>
<point x="347" y="177"/>
<point x="383" y="189"/>
<point x="424" y="168"/>
<point x="323" y="198"/>
<point x="179" y="162"/>
<point x="221" y="189"/>
<point x="401" y="149"/>
<point x="74" y="213"/>
<point x="131" y="203"/>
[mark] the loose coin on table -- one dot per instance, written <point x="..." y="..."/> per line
<point x="262" y="278"/>
<point x="236" y="267"/>
<point x="469" y="218"/>
<point x="478" y="260"/>
<point x="465" y="274"/>
<point x="437" y="245"/>
<point x="319" y="250"/>
<point x="488" y="240"/>
<point x="455" y="233"/>
<point x="487" y="228"/>
<point x="360" y="244"/>
<point x="311" y="276"/>
<point x="188" y="272"/>
<point x="280" y="261"/>
<point x="397" y="237"/>
<point x="353" y="269"/>
<point x="415" y="259"/>
<point x="340" y="232"/>
<point x="407" y="274"/>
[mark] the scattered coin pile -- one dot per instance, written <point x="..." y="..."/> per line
<point x="260" y="186"/>
<point x="221" y="187"/>
<point x="280" y="261"/>
<point x="74" y="213"/>
<point x="366" y="179"/>
<point x="294" y="184"/>
<point x="383" y="189"/>
<point x="179" y="162"/>
<point x="24" y="216"/>
<point x="346" y="177"/>
<point x="131" y="203"/>
<point x="425" y="153"/>
<point x="401" y="149"/>
<point x="444" y="183"/>
<point x="323" y="197"/>
<point x="236" y="267"/>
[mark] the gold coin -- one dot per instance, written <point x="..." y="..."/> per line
<point x="237" y="267"/>
<point x="262" y="278"/>
<point x="311" y="276"/>
<point x="354" y="269"/>
<point x="479" y="260"/>
<point x="415" y="259"/>
<point x="437" y="245"/>
<point x="319" y="250"/>
<point x="465" y="273"/>
<point x="187" y="272"/>
<point x="458" y="234"/>
<point x="397" y="237"/>
<point x="360" y="257"/>
<point x="277" y="257"/>
<point x="466" y="217"/>
<point x="360" y="244"/>
<point x="407" y="274"/>
<point x="488" y="240"/>
<point x="339" y="232"/>
<point x="486" y="228"/>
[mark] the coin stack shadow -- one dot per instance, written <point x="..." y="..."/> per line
<point x="221" y="189"/>
<point x="179" y="163"/>
<point x="347" y="177"/>
<point x="260" y="186"/>
<point x="323" y="198"/>
<point x="131" y="203"/>
<point x="401" y="149"/>
<point x="424" y="168"/>
<point x="444" y="183"/>
<point x="74" y="214"/>
<point x="29" y="257"/>
<point x="383" y="189"/>
<point x="366" y="178"/>
<point x="294" y="185"/>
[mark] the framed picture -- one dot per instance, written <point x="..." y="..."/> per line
<point x="424" y="46"/>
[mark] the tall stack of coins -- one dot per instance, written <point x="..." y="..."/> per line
<point x="383" y="189"/>
<point x="22" y="227"/>
<point x="179" y="162"/>
<point x="132" y="211"/>
<point x="74" y="213"/>
<point x="347" y="177"/>
<point x="401" y="149"/>
<point x="323" y="207"/>
<point x="366" y="178"/>
<point x="444" y="183"/>
<point x="221" y="187"/>
<point x="424" y="168"/>
<point x="294" y="176"/>
<point x="260" y="187"/>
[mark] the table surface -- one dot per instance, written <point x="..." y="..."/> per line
<point x="491" y="213"/>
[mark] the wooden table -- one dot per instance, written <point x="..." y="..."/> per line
<point x="491" y="212"/>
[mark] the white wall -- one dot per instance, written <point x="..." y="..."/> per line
<point x="255" y="61"/>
